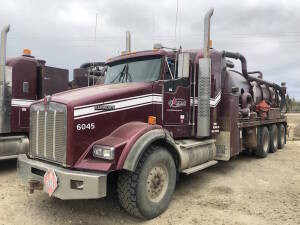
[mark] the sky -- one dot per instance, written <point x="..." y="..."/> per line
<point x="65" y="33"/>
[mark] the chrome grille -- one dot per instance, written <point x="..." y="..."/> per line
<point x="48" y="130"/>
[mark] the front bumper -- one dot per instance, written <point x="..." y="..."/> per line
<point x="93" y="184"/>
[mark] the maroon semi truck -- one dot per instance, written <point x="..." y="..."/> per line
<point x="160" y="113"/>
<point x="23" y="80"/>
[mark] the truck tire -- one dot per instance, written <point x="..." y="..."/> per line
<point x="281" y="136"/>
<point x="147" y="191"/>
<point x="263" y="142"/>
<point x="273" y="130"/>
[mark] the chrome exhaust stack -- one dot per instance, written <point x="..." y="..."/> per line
<point x="4" y="32"/>
<point x="204" y="77"/>
<point x="5" y="85"/>
<point x="128" y="42"/>
<point x="11" y="145"/>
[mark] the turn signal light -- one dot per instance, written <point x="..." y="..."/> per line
<point x="151" y="120"/>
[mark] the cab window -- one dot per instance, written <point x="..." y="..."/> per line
<point x="170" y="69"/>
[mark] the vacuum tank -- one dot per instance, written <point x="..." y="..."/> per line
<point x="254" y="92"/>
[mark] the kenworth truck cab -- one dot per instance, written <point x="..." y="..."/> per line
<point x="159" y="113"/>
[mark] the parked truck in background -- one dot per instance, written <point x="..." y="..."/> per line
<point x="159" y="113"/>
<point x="23" y="80"/>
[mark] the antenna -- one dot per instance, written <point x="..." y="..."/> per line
<point x="176" y="21"/>
<point x="96" y="23"/>
<point x="180" y="25"/>
<point x="95" y="43"/>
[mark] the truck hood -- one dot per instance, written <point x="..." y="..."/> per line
<point x="82" y="104"/>
<point x="100" y="93"/>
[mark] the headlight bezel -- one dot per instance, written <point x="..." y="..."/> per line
<point x="104" y="152"/>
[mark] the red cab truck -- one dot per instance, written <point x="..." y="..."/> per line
<point x="23" y="80"/>
<point x="159" y="113"/>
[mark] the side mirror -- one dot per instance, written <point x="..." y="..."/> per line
<point x="183" y="65"/>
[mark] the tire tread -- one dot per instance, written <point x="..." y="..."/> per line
<point x="272" y="129"/>
<point x="259" y="151"/>
<point x="126" y="189"/>
<point x="280" y="144"/>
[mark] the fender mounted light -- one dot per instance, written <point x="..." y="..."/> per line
<point x="104" y="152"/>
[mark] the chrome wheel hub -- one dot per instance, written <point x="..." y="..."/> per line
<point x="157" y="183"/>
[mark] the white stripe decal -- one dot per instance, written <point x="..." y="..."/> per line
<point x="104" y="112"/>
<point x="213" y="101"/>
<point x="129" y="103"/>
<point x="118" y="105"/>
<point x="21" y="102"/>
<point x="116" y="100"/>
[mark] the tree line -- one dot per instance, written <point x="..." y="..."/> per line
<point x="293" y="105"/>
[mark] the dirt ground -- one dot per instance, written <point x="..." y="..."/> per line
<point x="245" y="190"/>
<point x="293" y="125"/>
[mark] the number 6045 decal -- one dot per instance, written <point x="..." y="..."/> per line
<point x="86" y="126"/>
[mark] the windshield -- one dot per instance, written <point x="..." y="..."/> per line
<point x="139" y="70"/>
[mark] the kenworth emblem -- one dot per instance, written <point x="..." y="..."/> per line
<point x="47" y="99"/>
<point x="177" y="102"/>
<point x="105" y="107"/>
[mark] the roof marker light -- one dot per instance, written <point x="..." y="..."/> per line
<point x="26" y="51"/>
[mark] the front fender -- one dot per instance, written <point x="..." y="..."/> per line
<point x="130" y="141"/>
<point x="140" y="136"/>
<point x="123" y="139"/>
<point x="135" y="151"/>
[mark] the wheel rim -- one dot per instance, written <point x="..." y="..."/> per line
<point x="275" y="138"/>
<point x="266" y="143"/>
<point x="157" y="183"/>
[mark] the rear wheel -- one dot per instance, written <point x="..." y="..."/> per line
<point x="281" y="136"/>
<point x="273" y="130"/>
<point x="146" y="193"/>
<point x="263" y="142"/>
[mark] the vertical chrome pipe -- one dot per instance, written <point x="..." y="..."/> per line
<point x="3" y="45"/>
<point x="207" y="18"/>
<point x="4" y="97"/>
<point x="128" y="41"/>
<point x="204" y="86"/>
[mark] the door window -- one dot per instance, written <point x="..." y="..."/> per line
<point x="170" y="70"/>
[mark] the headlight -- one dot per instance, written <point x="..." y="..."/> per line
<point x="104" y="152"/>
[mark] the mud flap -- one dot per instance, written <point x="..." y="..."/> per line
<point x="223" y="146"/>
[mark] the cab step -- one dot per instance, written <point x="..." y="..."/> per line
<point x="199" y="167"/>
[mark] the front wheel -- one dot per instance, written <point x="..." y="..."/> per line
<point x="146" y="193"/>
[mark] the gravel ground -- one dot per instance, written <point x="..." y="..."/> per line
<point x="245" y="190"/>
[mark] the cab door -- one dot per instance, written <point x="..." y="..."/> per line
<point x="176" y="101"/>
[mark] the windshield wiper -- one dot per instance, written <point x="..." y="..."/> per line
<point x="120" y="75"/>
<point x="127" y="74"/>
<point x="123" y="75"/>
